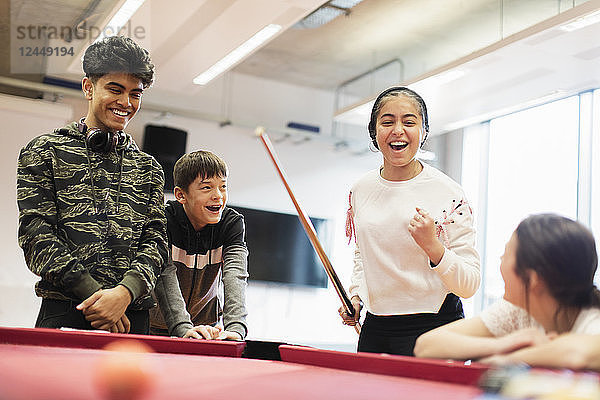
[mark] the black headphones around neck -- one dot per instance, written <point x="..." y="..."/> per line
<point x="98" y="140"/>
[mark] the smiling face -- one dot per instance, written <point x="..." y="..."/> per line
<point x="203" y="200"/>
<point x="399" y="132"/>
<point x="114" y="99"/>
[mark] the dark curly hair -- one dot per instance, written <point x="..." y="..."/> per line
<point x="118" y="54"/>
<point x="392" y="92"/>
<point x="563" y="253"/>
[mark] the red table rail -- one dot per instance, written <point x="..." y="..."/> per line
<point x="385" y="364"/>
<point x="99" y="339"/>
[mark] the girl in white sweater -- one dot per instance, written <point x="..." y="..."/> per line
<point x="413" y="231"/>
<point x="548" y="269"/>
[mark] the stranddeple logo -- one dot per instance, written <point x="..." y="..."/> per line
<point x="79" y="32"/>
<point x="30" y="43"/>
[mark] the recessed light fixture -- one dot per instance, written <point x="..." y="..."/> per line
<point x="236" y="55"/>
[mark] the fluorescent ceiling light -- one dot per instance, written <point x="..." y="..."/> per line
<point x="582" y="22"/>
<point x="236" y="55"/>
<point x="119" y="20"/>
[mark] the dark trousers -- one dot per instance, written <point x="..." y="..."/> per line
<point x="63" y="314"/>
<point x="158" y="331"/>
<point x="397" y="334"/>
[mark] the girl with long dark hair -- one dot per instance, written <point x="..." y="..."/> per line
<point x="548" y="269"/>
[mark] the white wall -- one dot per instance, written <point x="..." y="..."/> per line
<point x="22" y="120"/>
<point x="319" y="176"/>
<point x="251" y="100"/>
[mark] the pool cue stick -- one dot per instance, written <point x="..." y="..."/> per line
<point x="309" y="229"/>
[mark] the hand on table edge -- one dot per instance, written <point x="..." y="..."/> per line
<point x="203" y="332"/>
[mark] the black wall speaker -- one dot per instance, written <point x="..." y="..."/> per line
<point x="167" y="145"/>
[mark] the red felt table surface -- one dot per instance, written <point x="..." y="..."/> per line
<point x="40" y="372"/>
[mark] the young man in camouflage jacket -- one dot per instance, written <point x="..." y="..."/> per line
<point x="91" y="215"/>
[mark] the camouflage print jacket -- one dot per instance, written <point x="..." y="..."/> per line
<point x="89" y="220"/>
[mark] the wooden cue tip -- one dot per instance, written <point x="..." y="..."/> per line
<point x="259" y="130"/>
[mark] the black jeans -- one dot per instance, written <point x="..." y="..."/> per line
<point x="397" y="334"/>
<point x="158" y="331"/>
<point x="63" y="314"/>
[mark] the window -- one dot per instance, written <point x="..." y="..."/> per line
<point x="532" y="167"/>
<point x="595" y="174"/>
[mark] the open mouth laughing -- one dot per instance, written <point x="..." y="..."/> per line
<point x="215" y="208"/>
<point x="398" y="145"/>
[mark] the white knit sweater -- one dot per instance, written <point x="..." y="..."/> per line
<point x="392" y="274"/>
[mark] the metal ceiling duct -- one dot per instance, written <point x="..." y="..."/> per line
<point x="326" y="13"/>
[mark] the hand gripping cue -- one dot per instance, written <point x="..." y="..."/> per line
<point x="309" y="229"/>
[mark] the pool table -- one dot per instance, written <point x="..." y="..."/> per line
<point x="62" y="364"/>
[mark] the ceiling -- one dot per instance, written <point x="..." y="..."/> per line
<point x="536" y="65"/>
<point x="426" y="32"/>
<point x="412" y="39"/>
